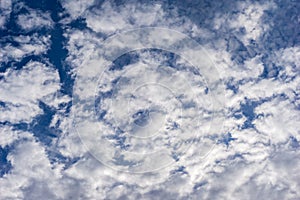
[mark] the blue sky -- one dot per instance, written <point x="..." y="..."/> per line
<point x="149" y="99"/>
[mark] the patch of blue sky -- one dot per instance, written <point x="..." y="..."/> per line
<point x="5" y="165"/>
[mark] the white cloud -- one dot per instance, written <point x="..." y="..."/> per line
<point x="31" y="172"/>
<point x="8" y="136"/>
<point x="34" y="20"/>
<point x="250" y="144"/>
<point x="5" y="10"/>
<point x="250" y="18"/>
<point x="78" y="7"/>
<point x="107" y="18"/>
<point x="258" y="163"/>
<point x="21" y="91"/>
<point x="28" y="45"/>
<point x="280" y="120"/>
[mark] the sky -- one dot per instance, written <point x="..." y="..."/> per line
<point x="149" y="99"/>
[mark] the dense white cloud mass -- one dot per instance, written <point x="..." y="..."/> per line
<point x="27" y="45"/>
<point x="34" y="20"/>
<point x="250" y="19"/>
<point x="230" y="130"/>
<point x="5" y="9"/>
<point x="21" y="91"/>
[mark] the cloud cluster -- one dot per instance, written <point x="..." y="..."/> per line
<point x="117" y="102"/>
<point x="27" y="45"/>
<point x="5" y="9"/>
<point x="21" y="91"/>
<point x="34" y="21"/>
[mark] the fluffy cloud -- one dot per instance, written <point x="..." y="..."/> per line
<point x="34" y="20"/>
<point x="27" y="45"/>
<point x="5" y="9"/>
<point x="250" y="18"/>
<point x="248" y="150"/>
<point x="21" y="91"/>
<point x="255" y="155"/>
<point x="36" y="178"/>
